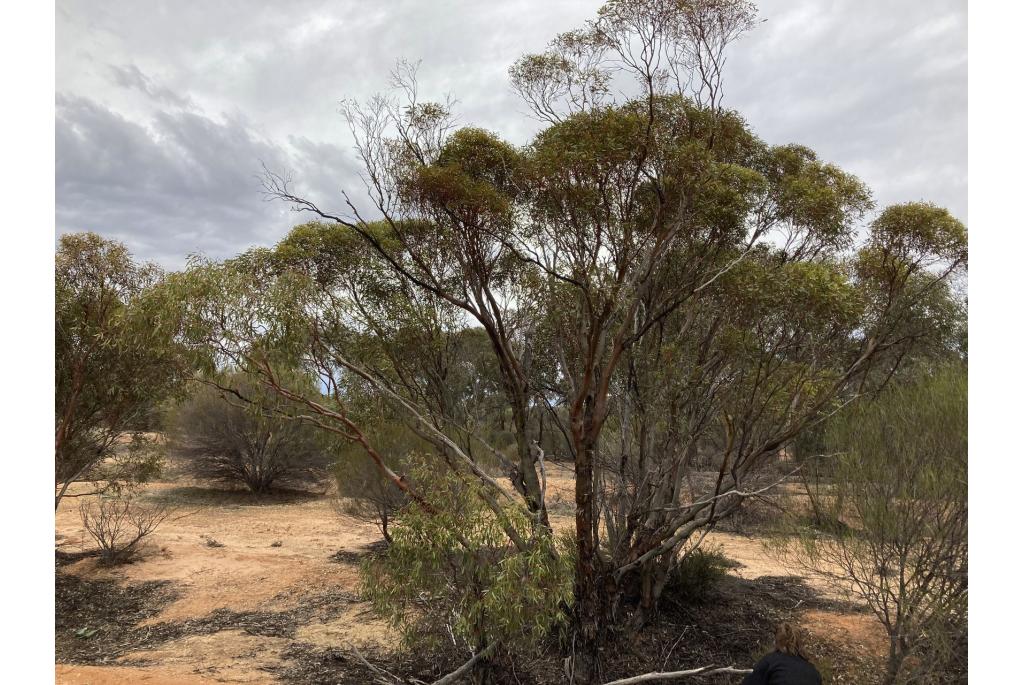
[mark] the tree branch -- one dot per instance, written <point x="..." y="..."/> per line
<point x="655" y="676"/>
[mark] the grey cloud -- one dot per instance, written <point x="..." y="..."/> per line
<point x="168" y="110"/>
<point x="325" y="189"/>
<point x="183" y="183"/>
<point x="878" y="87"/>
<point x="130" y="76"/>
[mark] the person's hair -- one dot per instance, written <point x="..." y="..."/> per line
<point x="788" y="640"/>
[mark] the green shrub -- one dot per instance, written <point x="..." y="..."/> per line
<point x="453" y="571"/>
<point x="364" y="492"/>
<point x="696" y="575"/>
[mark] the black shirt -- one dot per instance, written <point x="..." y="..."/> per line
<point x="783" y="669"/>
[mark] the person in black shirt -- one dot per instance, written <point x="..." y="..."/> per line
<point x="787" y="665"/>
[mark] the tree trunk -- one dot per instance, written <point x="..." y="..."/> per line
<point x="590" y="600"/>
<point x="528" y="470"/>
<point x="892" y="667"/>
<point x="482" y="672"/>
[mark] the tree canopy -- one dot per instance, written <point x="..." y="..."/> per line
<point x="115" y="359"/>
<point x="644" y="287"/>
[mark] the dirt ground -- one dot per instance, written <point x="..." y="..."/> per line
<point x="235" y="590"/>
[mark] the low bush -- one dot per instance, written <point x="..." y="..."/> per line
<point x="696" y="575"/>
<point x="250" y="442"/>
<point x="755" y="516"/>
<point x="118" y="524"/>
<point x="451" y="570"/>
<point x="364" y="492"/>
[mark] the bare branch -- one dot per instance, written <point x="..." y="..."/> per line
<point x="670" y="675"/>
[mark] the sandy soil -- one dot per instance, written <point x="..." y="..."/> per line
<point x="97" y="675"/>
<point x="247" y="573"/>
<point x="275" y="554"/>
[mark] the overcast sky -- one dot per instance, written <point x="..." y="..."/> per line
<point x="166" y="110"/>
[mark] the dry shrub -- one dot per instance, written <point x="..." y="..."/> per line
<point x="118" y="524"/>
<point x="255" y="443"/>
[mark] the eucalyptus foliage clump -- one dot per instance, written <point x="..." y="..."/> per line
<point x="451" y="571"/>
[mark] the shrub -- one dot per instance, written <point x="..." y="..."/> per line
<point x="756" y="515"/>
<point x="118" y="524"/>
<point x="251" y="442"/>
<point x="696" y="573"/>
<point x="898" y="492"/>
<point x="452" y="571"/>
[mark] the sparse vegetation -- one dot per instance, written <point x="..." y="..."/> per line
<point x="119" y="523"/>
<point x="898" y="489"/>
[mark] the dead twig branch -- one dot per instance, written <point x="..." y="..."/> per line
<point x="669" y="675"/>
<point x="465" y="668"/>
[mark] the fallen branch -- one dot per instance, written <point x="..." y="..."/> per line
<point x="666" y="675"/>
<point x="388" y="678"/>
<point x="384" y="677"/>
<point x="464" y="668"/>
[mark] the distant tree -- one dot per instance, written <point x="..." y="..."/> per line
<point x="899" y="490"/>
<point x="113" y="364"/>
<point x="239" y="433"/>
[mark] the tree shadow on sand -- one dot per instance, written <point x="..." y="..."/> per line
<point x="190" y="495"/>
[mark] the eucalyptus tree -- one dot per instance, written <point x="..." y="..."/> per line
<point x="652" y="279"/>
<point x="115" y="361"/>
<point x="715" y="303"/>
<point x="411" y="339"/>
